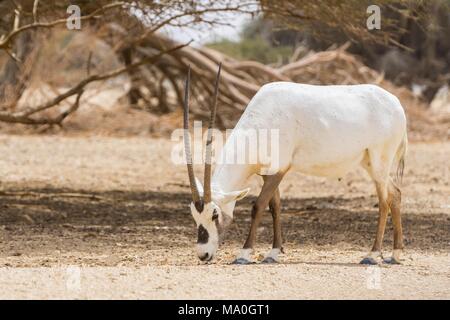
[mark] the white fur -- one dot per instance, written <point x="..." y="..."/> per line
<point x="205" y="219"/>
<point x="375" y="255"/>
<point x="245" y="254"/>
<point x="323" y="130"/>
<point x="209" y="248"/>
<point x="273" y="253"/>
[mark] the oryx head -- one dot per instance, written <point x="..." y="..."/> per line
<point x="212" y="209"/>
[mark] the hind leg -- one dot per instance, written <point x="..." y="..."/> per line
<point x="394" y="201"/>
<point x="378" y="162"/>
<point x="375" y="255"/>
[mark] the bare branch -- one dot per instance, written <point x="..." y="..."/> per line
<point x="6" y="40"/>
<point x="16" y="19"/>
<point x="24" y="116"/>
<point x="35" y="8"/>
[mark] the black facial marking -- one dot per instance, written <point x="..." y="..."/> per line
<point x="203" y="235"/>
<point x="199" y="205"/>
<point x="206" y="257"/>
<point x="215" y="215"/>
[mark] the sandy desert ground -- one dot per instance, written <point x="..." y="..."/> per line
<point x="98" y="217"/>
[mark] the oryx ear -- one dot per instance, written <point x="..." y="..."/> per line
<point x="199" y="186"/>
<point x="235" y="195"/>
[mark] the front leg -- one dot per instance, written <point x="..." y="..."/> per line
<point x="270" y="185"/>
<point x="244" y="256"/>
<point x="277" y="245"/>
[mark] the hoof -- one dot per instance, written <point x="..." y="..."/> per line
<point x="269" y="260"/>
<point x="391" y="260"/>
<point x="368" y="261"/>
<point x="241" y="261"/>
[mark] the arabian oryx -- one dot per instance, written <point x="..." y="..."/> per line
<point x="323" y="131"/>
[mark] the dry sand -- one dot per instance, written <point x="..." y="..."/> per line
<point x="96" y="217"/>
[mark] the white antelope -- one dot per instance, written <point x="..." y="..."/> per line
<point x="323" y="131"/>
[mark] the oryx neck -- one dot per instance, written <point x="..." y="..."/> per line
<point x="231" y="177"/>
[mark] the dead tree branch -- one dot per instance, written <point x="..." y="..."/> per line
<point x="6" y="40"/>
<point x="24" y="116"/>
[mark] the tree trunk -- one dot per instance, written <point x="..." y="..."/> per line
<point x="15" y="74"/>
<point x="134" y="94"/>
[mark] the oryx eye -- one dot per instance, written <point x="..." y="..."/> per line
<point x="215" y="215"/>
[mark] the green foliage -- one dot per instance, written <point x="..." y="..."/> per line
<point x="256" y="49"/>
<point x="257" y="43"/>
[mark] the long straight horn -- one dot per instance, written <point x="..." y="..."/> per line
<point x="212" y="120"/>
<point x="187" y="142"/>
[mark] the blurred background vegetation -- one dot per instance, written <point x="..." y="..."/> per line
<point x="259" y="41"/>
<point x="124" y="71"/>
